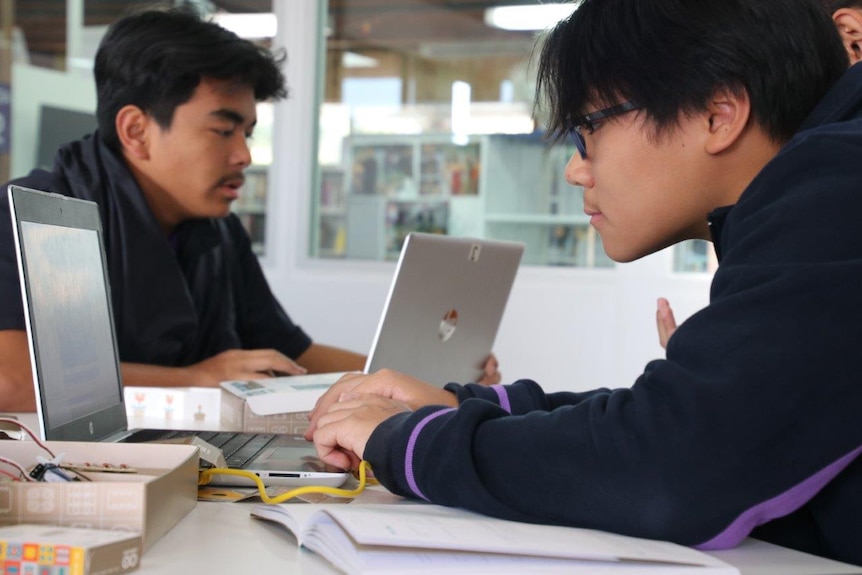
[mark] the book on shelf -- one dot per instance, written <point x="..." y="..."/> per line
<point x="421" y="538"/>
<point x="40" y="549"/>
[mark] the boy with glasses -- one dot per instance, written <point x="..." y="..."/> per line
<point x="847" y="16"/>
<point x="735" y="121"/>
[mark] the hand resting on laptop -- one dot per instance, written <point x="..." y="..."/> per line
<point x="347" y="414"/>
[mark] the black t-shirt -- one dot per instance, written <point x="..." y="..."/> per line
<point x="175" y="302"/>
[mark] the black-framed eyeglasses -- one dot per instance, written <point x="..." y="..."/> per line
<point x="590" y="122"/>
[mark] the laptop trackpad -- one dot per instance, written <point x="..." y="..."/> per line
<point x="294" y="453"/>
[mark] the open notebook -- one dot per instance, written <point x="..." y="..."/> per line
<point x="73" y="351"/>
<point x="413" y="538"/>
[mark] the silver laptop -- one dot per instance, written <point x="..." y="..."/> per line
<point x="73" y="351"/>
<point x="444" y="307"/>
<point x="441" y="316"/>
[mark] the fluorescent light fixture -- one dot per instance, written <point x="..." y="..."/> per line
<point x="354" y="60"/>
<point x="460" y="112"/>
<point x="528" y="16"/>
<point x="254" y="25"/>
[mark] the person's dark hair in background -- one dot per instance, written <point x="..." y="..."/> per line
<point x="833" y="5"/>
<point x="847" y="15"/>
<point x="155" y="60"/>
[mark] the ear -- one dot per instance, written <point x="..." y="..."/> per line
<point x="849" y="24"/>
<point x="133" y="126"/>
<point x="727" y="115"/>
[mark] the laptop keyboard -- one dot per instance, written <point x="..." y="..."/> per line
<point x="238" y="448"/>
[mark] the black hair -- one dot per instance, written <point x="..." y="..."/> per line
<point x="155" y="59"/>
<point x="671" y="56"/>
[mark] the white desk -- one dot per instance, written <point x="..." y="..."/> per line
<point x="222" y="538"/>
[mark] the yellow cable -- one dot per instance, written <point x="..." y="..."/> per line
<point x="205" y="476"/>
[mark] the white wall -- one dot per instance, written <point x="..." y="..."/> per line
<point x="567" y="328"/>
<point x="32" y="87"/>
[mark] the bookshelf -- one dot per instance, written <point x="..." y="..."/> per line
<point x="392" y="186"/>
<point x="527" y="199"/>
<point x="499" y="186"/>
<point x="251" y="206"/>
<point x="505" y="187"/>
<point x="332" y="212"/>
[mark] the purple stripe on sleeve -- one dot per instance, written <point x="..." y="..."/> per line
<point x="779" y="506"/>
<point x="411" y="444"/>
<point x="503" y="397"/>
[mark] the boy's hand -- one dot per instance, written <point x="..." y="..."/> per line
<point x="342" y="432"/>
<point x="242" y="364"/>
<point x="490" y="372"/>
<point x="385" y="383"/>
<point x="665" y="321"/>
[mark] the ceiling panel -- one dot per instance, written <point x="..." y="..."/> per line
<point x="395" y="24"/>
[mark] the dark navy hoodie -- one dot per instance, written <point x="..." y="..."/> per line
<point x="752" y="425"/>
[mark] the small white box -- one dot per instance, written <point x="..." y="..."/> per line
<point x="80" y="551"/>
<point x="274" y="405"/>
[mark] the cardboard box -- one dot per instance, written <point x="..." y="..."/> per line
<point x="69" y="550"/>
<point x="238" y="414"/>
<point x="150" y="501"/>
<point x="274" y="405"/>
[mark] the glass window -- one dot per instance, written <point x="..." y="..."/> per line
<point x="426" y="125"/>
<point x="694" y="256"/>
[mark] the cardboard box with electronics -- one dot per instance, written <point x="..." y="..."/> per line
<point x="157" y="488"/>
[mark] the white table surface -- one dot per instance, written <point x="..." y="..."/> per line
<point x="218" y="538"/>
<point x="223" y="538"/>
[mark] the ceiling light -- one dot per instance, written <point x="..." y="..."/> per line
<point x="460" y="112"/>
<point x="528" y="17"/>
<point x="253" y="25"/>
<point x="354" y="60"/>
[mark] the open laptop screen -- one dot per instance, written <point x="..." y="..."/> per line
<point x="60" y="258"/>
<point x="60" y="263"/>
